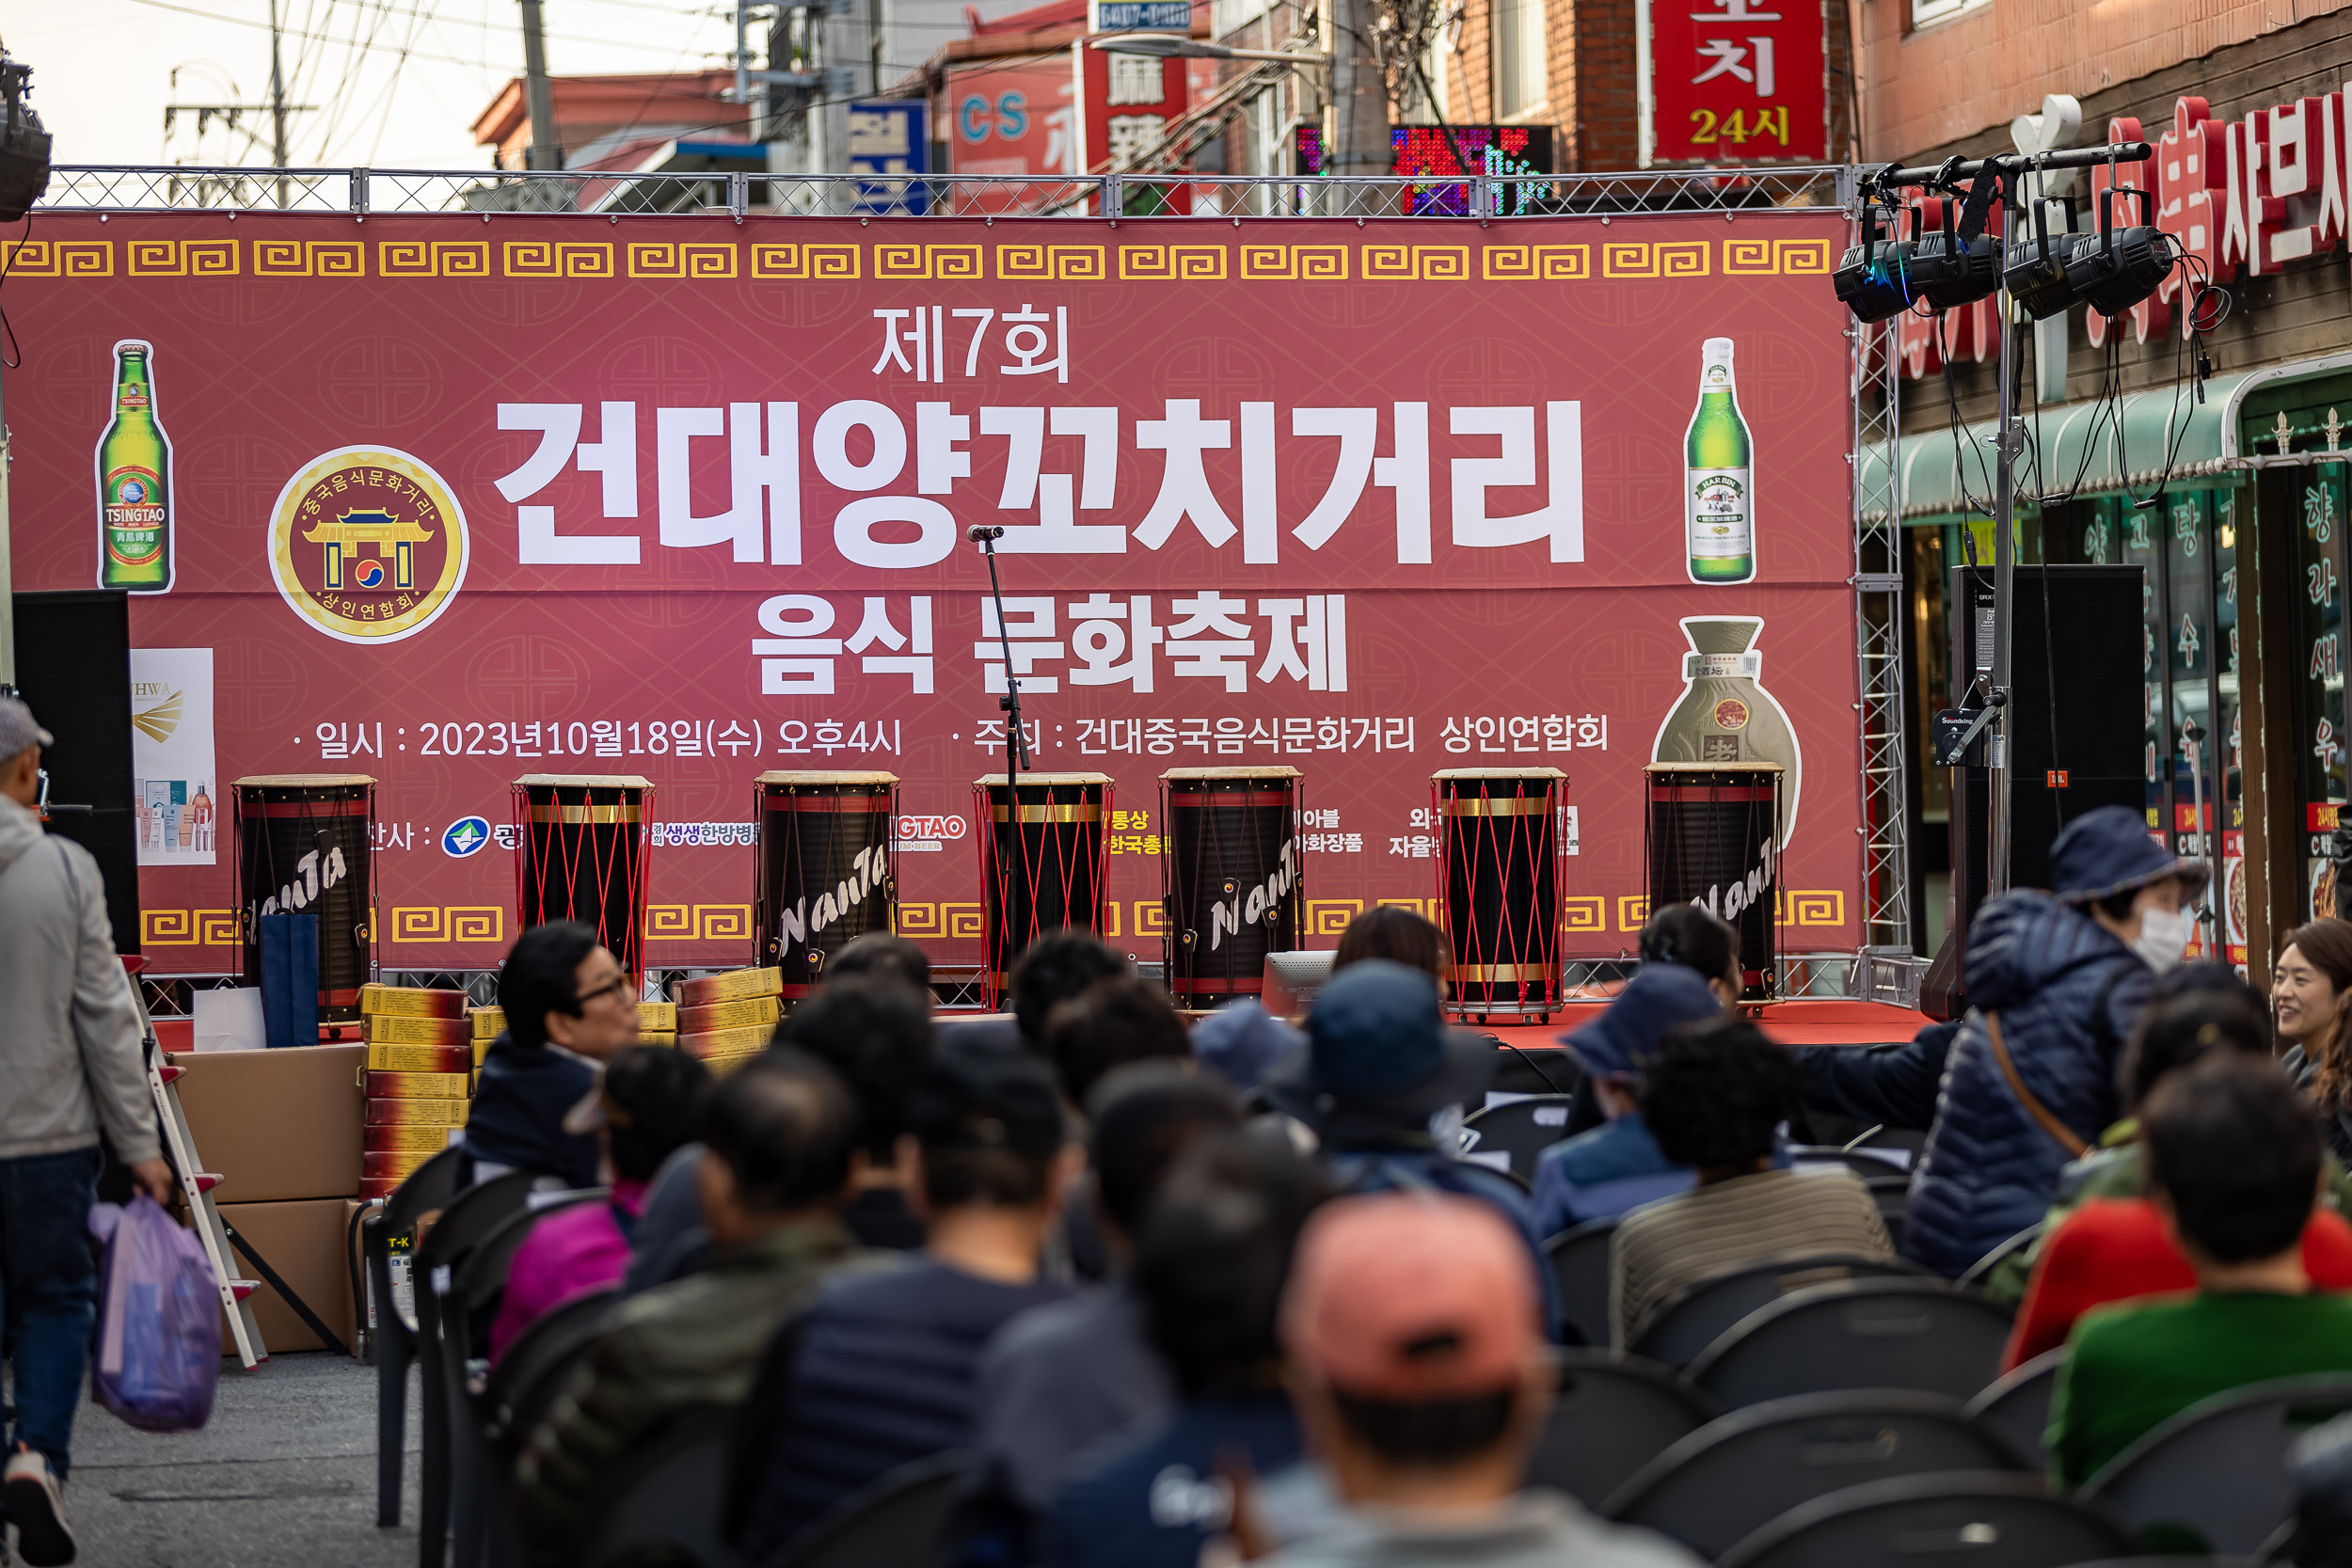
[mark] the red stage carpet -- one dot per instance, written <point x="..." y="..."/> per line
<point x="1825" y="1023"/>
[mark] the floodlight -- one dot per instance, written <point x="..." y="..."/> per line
<point x="1959" y="266"/>
<point x="2116" y="271"/>
<point x="23" y="145"/>
<point x="1873" y="279"/>
<point x="2036" y="271"/>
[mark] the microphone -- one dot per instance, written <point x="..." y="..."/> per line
<point x="979" y="535"/>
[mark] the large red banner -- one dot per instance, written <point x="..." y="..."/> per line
<point x="453" y="500"/>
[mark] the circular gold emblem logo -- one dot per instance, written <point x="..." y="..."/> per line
<point x="1731" y="714"/>
<point x="368" y="544"/>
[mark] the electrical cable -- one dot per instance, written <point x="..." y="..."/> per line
<point x="8" y="329"/>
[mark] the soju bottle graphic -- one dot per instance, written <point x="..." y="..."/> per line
<point x="1718" y="482"/>
<point x="1726" y="715"/>
<point x="134" y="481"/>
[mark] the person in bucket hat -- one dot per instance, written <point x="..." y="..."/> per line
<point x="1382" y="1083"/>
<point x="1601" y="1174"/>
<point x="2057" y="979"/>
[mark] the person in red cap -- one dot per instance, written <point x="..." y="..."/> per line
<point x="1421" y="1378"/>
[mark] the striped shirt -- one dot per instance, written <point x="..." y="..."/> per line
<point x="1677" y="1241"/>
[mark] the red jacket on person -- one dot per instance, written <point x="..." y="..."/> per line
<point x="2112" y="1250"/>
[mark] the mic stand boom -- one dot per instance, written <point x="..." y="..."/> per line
<point x="1017" y="760"/>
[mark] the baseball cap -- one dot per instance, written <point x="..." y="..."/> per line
<point x="1626" y="1035"/>
<point x="1378" y="1045"/>
<point x="1410" y="1297"/>
<point x="18" y="728"/>
<point x="987" y="1097"/>
<point x="2108" y="851"/>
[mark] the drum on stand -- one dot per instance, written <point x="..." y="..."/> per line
<point x="1500" y="865"/>
<point x="307" y="842"/>
<point x="1714" y="841"/>
<point x="581" y="854"/>
<point x="1230" y="874"/>
<point x="828" y="868"/>
<point x="1042" y="869"/>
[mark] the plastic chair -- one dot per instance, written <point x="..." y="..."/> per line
<point x="1522" y="1127"/>
<point x="1892" y="1333"/>
<point x="429" y="1187"/>
<point x="1614" y="1413"/>
<point x="2019" y="1403"/>
<point x="1863" y="1165"/>
<point x="476" y="1281"/>
<point x="1579" y="1267"/>
<point x="892" y="1520"/>
<point x="1994" y="1259"/>
<point x="668" y="1498"/>
<point x="1730" y="1478"/>
<point x="1697" y="1315"/>
<point x="1958" y="1519"/>
<point x="2215" y="1476"/>
<point x="468" y="1219"/>
<point x="523" y="1384"/>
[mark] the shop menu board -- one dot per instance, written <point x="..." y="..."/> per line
<point x="450" y="499"/>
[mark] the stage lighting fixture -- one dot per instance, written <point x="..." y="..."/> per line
<point x="2113" y="272"/>
<point x="2036" y="272"/>
<point x="1959" y="266"/>
<point x="1873" y="279"/>
<point x="23" y="145"/>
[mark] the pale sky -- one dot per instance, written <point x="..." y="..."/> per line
<point x="397" y="82"/>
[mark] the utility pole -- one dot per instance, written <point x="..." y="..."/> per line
<point x="544" y="152"/>
<point x="277" y="106"/>
<point x="1359" y="137"/>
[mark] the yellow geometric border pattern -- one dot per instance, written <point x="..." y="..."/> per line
<point x="1172" y="261"/>
<point x="187" y="927"/>
<point x="698" y="923"/>
<point x="449" y="923"/>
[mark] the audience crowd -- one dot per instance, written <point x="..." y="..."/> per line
<point x="1163" y="1295"/>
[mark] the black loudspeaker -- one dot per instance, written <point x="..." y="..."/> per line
<point x="73" y="667"/>
<point x="2075" y="686"/>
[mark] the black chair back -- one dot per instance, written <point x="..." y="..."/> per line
<point x="1861" y="1165"/>
<point x="892" y="1520"/>
<point x="2019" y="1403"/>
<point x="665" y="1502"/>
<point x="1730" y="1478"/>
<point x="1958" y="1519"/>
<point x="1522" y="1128"/>
<point x="1999" y="1255"/>
<point x="1697" y="1315"/>
<point x="526" y="1380"/>
<point x="428" y="1188"/>
<point x="1891" y="1333"/>
<point x="1614" y="1413"/>
<point x="468" y="1219"/>
<point x="1579" y="1267"/>
<point x="2215" y="1477"/>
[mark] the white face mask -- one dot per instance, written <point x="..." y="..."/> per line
<point x="2163" y="937"/>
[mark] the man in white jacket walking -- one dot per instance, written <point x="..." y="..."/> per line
<point x="70" y="1062"/>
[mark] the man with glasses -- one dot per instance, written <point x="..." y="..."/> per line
<point x="568" y="1007"/>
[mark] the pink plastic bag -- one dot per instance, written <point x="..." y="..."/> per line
<point x="158" y="1355"/>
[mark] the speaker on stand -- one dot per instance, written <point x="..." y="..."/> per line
<point x="73" y="668"/>
<point x="2076" y="727"/>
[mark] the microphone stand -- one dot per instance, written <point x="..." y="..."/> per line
<point x="1017" y="759"/>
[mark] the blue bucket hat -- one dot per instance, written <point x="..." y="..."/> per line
<point x="1626" y="1035"/>
<point x="2109" y="851"/>
<point x="1378" y="1050"/>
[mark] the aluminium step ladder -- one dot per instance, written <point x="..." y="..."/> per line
<point x="196" y="1189"/>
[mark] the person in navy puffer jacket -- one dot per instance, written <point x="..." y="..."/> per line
<point x="2065" y="973"/>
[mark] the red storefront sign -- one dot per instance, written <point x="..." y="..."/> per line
<point x="1009" y="118"/>
<point x="1735" y="81"/>
<point x="1365" y="501"/>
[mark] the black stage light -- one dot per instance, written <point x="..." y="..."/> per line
<point x="1959" y="266"/>
<point x="2116" y="271"/>
<point x="23" y="145"/>
<point x="2036" y="272"/>
<point x="1873" y="279"/>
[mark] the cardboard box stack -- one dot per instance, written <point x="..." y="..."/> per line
<point x="727" y="1019"/>
<point x="656" y="1024"/>
<point x="285" y="1131"/>
<point x="419" y="1065"/>
<point x="489" y="1025"/>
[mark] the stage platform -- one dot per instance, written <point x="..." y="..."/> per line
<point x="1836" y="1021"/>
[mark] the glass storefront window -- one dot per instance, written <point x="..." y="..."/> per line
<point x="2227" y="743"/>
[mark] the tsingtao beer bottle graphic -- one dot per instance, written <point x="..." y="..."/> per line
<point x="135" y="481"/>
<point x="1718" y="481"/>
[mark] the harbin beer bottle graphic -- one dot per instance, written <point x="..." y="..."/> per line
<point x="135" y="481"/>
<point x="1718" y="488"/>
